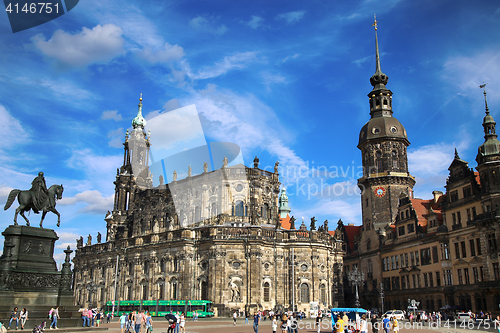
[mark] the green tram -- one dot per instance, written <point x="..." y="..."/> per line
<point x="160" y="308"/>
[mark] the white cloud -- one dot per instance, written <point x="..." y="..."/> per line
<point x="171" y="105"/>
<point x="239" y="60"/>
<point x="166" y="54"/>
<point x="98" y="169"/>
<point x="291" y="17"/>
<point x="60" y="88"/>
<point x="12" y="132"/>
<point x="94" y="202"/>
<point x="207" y="24"/>
<point x="99" y="44"/>
<point x="255" y="22"/>
<point x="273" y="78"/>
<point x="116" y="138"/>
<point x="466" y="73"/>
<point x="65" y="239"/>
<point x="296" y="55"/>
<point x="111" y="114"/>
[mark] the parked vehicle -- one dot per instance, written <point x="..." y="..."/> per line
<point x="398" y="314"/>
<point x="464" y="317"/>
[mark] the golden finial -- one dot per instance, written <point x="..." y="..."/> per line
<point x="375" y="21"/>
<point x="140" y="98"/>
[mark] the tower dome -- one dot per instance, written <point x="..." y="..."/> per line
<point x="139" y="120"/>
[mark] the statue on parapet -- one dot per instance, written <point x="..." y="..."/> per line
<point x="292" y="223"/>
<point x="98" y="237"/>
<point x="89" y="240"/>
<point x="38" y="199"/>
<point x="313" y="223"/>
<point x="79" y="242"/>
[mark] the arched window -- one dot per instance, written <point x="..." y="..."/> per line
<point x="265" y="211"/>
<point x="176" y="265"/>
<point x="145" y="291"/>
<point x="161" y="290"/>
<point x="163" y="265"/>
<point x="266" y="292"/>
<point x="175" y="290"/>
<point x="204" y="290"/>
<point x="238" y="208"/>
<point x="129" y="292"/>
<point x="368" y="244"/>
<point x="131" y="269"/>
<point x="322" y="292"/>
<point x="213" y="209"/>
<point x="146" y="267"/>
<point x="197" y="214"/>
<point x="304" y="293"/>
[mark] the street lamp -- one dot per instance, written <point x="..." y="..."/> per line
<point x="382" y="296"/>
<point x="91" y="288"/>
<point x="355" y="278"/>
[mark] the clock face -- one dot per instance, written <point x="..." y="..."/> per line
<point x="380" y="191"/>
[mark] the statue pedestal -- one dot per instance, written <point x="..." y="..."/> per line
<point x="29" y="277"/>
<point x="33" y="249"/>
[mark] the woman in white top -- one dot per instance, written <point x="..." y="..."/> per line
<point x="182" y="324"/>
<point x="274" y="324"/>
<point x="23" y="315"/>
<point x="363" y="325"/>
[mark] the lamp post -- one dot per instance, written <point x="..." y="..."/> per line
<point x="355" y="278"/>
<point x="382" y="296"/>
<point x="91" y="288"/>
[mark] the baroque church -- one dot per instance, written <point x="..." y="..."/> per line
<point x="226" y="236"/>
<point x="441" y="252"/>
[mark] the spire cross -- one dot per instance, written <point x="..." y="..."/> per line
<point x="377" y="56"/>
<point x="375" y="21"/>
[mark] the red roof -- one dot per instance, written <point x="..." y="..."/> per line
<point x="352" y="231"/>
<point x="423" y="209"/>
<point x="285" y="222"/>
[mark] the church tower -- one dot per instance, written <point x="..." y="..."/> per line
<point x="383" y="143"/>
<point x="488" y="163"/>
<point x="133" y="174"/>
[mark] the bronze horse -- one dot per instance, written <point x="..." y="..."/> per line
<point x="25" y="203"/>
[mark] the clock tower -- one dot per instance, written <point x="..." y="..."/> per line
<point x="383" y="143"/>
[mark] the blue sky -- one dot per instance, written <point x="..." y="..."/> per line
<point x="284" y="80"/>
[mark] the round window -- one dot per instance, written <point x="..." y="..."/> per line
<point x="394" y="129"/>
<point x="303" y="267"/>
<point x="266" y="265"/>
<point x="322" y="268"/>
<point x="236" y="264"/>
<point x="239" y="187"/>
<point x="375" y="130"/>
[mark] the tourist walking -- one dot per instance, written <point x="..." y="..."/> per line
<point x="256" y="322"/>
<point x="183" y="323"/>
<point x="246" y="317"/>
<point x="123" y="322"/>
<point x="284" y="321"/>
<point x="387" y="324"/>
<point x="339" y="325"/>
<point x="90" y="318"/>
<point x="137" y="318"/>
<point x="149" y="322"/>
<point x="395" y="325"/>
<point x="55" y="316"/>
<point x="235" y="316"/>
<point x="98" y="318"/>
<point x="318" y="321"/>
<point x="171" y="326"/>
<point x="178" y="317"/>
<point x="274" y="324"/>
<point x="23" y="315"/>
<point x="108" y="317"/>
<point x="14" y="316"/>
<point x="363" y="325"/>
<point x="375" y="326"/>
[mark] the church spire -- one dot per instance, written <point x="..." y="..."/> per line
<point x="139" y="120"/>
<point x="488" y="121"/>
<point x="379" y="79"/>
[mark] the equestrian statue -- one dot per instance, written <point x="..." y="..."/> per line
<point x="38" y="199"/>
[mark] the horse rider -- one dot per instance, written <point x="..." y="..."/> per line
<point x="39" y="192"/>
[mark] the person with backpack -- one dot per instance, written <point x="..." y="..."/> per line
<point x="55" y="315"/>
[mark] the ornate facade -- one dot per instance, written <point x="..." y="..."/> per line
<point x="441" y="251"/>
<point x="216" y="236"/>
